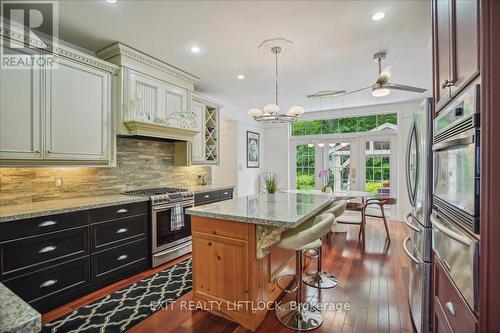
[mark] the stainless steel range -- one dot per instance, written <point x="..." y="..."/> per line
<point x="170" y="225"/>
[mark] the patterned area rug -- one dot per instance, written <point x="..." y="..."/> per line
<point x="126" y="307"/>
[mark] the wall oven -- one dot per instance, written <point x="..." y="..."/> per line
<point x="456" y="160"/>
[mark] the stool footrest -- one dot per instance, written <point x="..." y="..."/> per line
<point x="285" y="289"/>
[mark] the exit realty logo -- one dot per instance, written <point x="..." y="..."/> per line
<point x="30" y="33"/>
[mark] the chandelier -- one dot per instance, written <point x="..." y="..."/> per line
<point x="270" y="112"/>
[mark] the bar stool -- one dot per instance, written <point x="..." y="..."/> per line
<point x="321" y="279"/>
<point x="295" y="314"/>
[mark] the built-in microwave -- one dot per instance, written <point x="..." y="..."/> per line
<point x="456" y="149"/>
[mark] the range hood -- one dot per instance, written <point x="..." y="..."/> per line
<point x="153" y="97"/>
<point x="161" y="131"/>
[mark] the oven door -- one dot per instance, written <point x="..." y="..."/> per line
<point x="165" y="231"/>
<point x="456" y="177"/>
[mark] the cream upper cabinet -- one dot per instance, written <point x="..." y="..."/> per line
<point x="20" y="111"/>
<point x="153" y="100"/>
<point x="198" y="145"/>
<point x="78" y="112"/>
<point x="58" y="113"/>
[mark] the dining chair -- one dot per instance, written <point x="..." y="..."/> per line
<point x="374" y="207"/>
<point x="354" y="214"/>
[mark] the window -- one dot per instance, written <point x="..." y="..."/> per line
<point x="378" y="167"/>
<point x="305" y="169"/>
<point x="339" y="162"/>
<point x="345" y="125"/>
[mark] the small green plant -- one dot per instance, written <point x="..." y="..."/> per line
<point x="270" y="181"/>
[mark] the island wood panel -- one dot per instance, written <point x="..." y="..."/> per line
<point x="228" y="279"/>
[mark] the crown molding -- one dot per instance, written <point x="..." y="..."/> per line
<point x="59" y="50"/>
<point x="117" y="49"/>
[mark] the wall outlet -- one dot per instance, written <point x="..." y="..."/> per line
<point x="59" y="182"/>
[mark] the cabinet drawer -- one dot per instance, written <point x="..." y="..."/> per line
<point x="23" y="253"/>
<point x="452" y="303"/>
<point x="226" y="194"/>
<point x="51" y="281"/>
<point x="119" y="211"/>
<point x="118" y="259"/>
<point x="205" y="197"/>
<point x="108" y="233"/>
<point x="39" y="225"/>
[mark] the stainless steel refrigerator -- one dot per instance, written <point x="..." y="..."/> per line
<point x="418" y="244"/>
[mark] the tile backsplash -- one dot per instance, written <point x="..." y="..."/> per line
<point x="140" y="163"/>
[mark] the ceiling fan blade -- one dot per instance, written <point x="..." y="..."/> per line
<point x="355" y="91"/>
<point x="385" y="75"/>
<point x="327" y="93"/>
<point x="406" y="88"/>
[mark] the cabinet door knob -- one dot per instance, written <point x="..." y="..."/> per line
<point x="450" y="308"/>
<point x="122" y="257"/>
<point x="47" y="249"/>
<point x="47" y="224"/>
<point x="48" y="283"/>
<point x="121" y="211"/>
<point x="121" y="230"/>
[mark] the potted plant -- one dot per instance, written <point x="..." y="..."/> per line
<point x="324" y="175"/>
<point x="270" y="182"/>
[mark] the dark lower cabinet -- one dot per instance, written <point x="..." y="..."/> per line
<point x="213" y="196"/>
<point x="118" y="259"/>
<point x="52" y="260"/>
<point x="38" y="286"/>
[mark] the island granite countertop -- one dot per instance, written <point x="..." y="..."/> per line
<point x="51" y="207"/>
<point x="275" y="210"/>
<point x="17" y="315"/>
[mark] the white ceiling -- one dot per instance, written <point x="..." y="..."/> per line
<point x="334" y="43"/>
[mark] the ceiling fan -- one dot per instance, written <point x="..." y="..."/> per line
<point x="381" y="87"/>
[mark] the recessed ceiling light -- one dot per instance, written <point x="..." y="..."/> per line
<point x="195" y="49"/>
<point x="111" y="1"/>
<point x="240" y="76"/>
<point x="378" y="16"/>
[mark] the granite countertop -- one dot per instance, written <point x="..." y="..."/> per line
<point x="278" y="210"/>
<point x="16" y="315"/>
<point x="208" y="188"/>
<point x="44" y="208"/>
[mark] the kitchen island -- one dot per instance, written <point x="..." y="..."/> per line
<point x="234" y="261"/>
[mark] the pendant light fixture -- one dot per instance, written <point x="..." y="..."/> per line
<point x="270" y="112"/>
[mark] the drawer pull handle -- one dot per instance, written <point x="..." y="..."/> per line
<point x="121" y="230"/>
<point x="226" y="193"/>
<point x="206" y="196"/>
<point x="122" y="257"/>
<point x="48" y="283"/>
<point x="47" y="249"/>
<point x="47" y="224"/>
<point x="121" y="211"/>
<point x="450" y="308"/>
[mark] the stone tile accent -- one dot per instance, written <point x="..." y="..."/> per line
<point x="140" y="163"/>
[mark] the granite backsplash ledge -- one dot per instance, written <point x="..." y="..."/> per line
<point x="140" y="163"/>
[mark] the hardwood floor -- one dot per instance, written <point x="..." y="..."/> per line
<point x="373" y="282"/>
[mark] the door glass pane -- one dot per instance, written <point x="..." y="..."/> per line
<point x="339" y="162"/>
<point x="378" y="167"/>
<point x="304" y="167"/>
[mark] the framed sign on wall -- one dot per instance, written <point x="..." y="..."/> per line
<point x="253" y="149"/>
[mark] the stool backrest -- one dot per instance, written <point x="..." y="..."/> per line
<point x="307" y="232"/>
